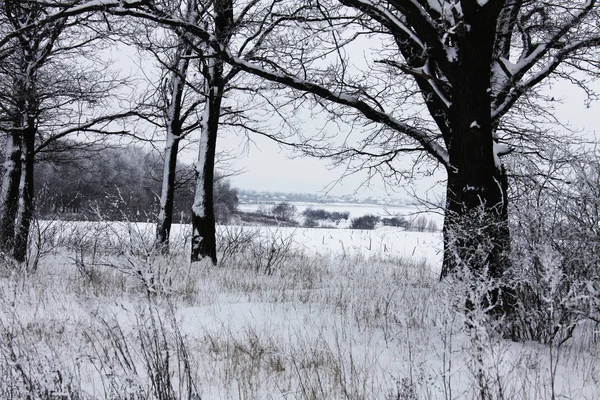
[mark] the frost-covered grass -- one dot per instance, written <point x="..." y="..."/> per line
<point x="112" y="320"/>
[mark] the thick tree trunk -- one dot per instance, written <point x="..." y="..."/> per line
<point x="476" y="234"/>
<point x="167" y="197"/>
<point x="203" y="213"/>
<point x="25" y="209"/>
<point x="9" y="192"/>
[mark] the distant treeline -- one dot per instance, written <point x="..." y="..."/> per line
<point x="118" y="184"/>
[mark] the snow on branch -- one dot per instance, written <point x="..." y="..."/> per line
<point x="386" y="18"/>
<point x="544" y="56"/>
<point x="69" y="11"/>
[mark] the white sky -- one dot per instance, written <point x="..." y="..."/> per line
<point x="269" y="167"/>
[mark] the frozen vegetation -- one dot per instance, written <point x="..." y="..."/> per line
<point x="289" y="313"/>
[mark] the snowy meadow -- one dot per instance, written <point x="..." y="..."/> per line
<point x="289" y="313"/>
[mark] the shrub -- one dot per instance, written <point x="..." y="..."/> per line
<point x="323" y="215"/>
<point x="310" y="223"/>
<point x="284" y="211"/>
<point x="338" y="216"/>
<point x="419" y="224"/>
<point x="556" y="250"/>
<point x="397" y="221"/>
<point x="318" y="214"/>
<point x="368" y="221"/>
<point x="263" y="250"/>
<point x="423" y="224"/>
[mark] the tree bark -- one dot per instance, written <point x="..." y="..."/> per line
<point x="174" y="123"/>
<point x="26" y="193"/>
<point x="203" y="212"/>
<point x="476" y="233"/>
<point x="204" y="243"/>
<point x="165" y="216"/>
<point x="9" y="192"/>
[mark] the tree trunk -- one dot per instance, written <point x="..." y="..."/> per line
<point x="204" y="243"/>
<point x="9" y="192"/>
<point x="165" y="216"/>
<point x="203" y="213"/>
<point x="25" y="209"/>
<point x="476" y="233"/>
<point x="178" y="77"/>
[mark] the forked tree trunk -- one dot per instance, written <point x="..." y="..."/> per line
<point x="204" y="242"/>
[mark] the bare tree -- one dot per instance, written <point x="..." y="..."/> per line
<point x="44" y="98"/>
<point x="472" y="63"/>
<point x="217" y="18"/>
<point x="174" y="99"/>
<point x="469" y="64"/>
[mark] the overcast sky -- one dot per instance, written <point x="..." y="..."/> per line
<point x="268" y="167"/>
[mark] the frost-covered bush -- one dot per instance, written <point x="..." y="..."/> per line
<point x="263" y="250"/>
<point x="556" y="249"/>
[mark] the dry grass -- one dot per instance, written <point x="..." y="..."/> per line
<point x="136" y="325"/>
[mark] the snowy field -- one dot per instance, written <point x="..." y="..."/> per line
<point x="382" y="242"/>
<point x="339" y="314"/>
<point x="358" y="210"/>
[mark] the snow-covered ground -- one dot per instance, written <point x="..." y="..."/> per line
<point x="381" y="242"/>
<point x="358" y="210"/>
<point x="341" y="315"/>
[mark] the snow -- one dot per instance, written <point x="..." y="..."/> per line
<point x="363" y="324"/>
<point x="93" y="4"/>
<point x="451" y="53"/>
<point x="500" y="149"/>
<point x="389" y="16"/>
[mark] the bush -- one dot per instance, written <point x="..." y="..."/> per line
<point x="419" y="224"/>
<point x="323" y="215"/>
<point x="556" y="251"/>
<point x="397" y="221"/>
<point x="338" y="216"/>
<point x="263" y="250"/>
<point x="310" y="223"/>
<point x="284" y="211"/>
<point x="318" y="214"/>
<point x="423" y="224"/>
<point x="365" y="222"/>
